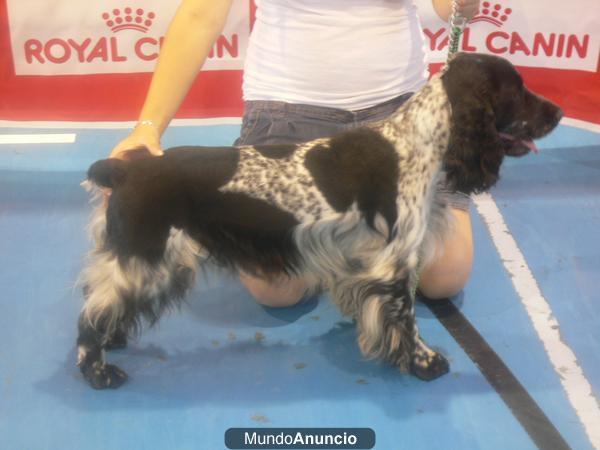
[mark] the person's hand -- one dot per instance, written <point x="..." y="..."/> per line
<point x="143" y="140"/>
<point x="468" y="8"/>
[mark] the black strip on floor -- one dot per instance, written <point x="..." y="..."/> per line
<point x="543" y="433"/>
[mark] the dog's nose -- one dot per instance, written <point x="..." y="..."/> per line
<point x="559" y="115"/>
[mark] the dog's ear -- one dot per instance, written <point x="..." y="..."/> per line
<point x="475" y="153"/>
<point x="108" y="172"/>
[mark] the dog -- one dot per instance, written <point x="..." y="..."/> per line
<point x="357" y="213"/>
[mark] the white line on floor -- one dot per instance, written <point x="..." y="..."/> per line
<point x="117" y="125"/>
<point x="38" y="138"/>
<point x="576" y="123"/>
<point x="577" y="387"/>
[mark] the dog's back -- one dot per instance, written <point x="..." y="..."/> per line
<point x="182" y="190"/>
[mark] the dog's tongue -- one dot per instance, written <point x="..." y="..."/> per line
<point x="527" y="143"/>
<point x="530" y="145"/>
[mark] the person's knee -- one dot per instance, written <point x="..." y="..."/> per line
<point x="447" y="275"/>
<point x="444" y="282"/>
<point x="276" y="293"/>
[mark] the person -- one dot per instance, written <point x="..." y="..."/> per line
<point x="313" y="68"/>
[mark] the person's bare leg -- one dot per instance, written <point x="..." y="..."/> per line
<point x="276" y="293"/>
<point x="448" y="274"/>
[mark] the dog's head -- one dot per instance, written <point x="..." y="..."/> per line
<point x="493" y="115"/>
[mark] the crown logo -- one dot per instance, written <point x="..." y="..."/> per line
<point x="494" y="14"/>
<point x="128" y="19"/>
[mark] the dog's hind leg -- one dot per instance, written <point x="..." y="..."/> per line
<point x="105" y="286"/>
<point x="119" y="292"/>
<point x="91" y="345"/>
<point x="117" y="340"/>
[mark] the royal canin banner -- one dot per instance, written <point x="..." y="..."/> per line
<point x="74" y="37"/>
<point x="78" y="61"/>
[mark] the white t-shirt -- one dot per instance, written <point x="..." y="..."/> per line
<point x="348" y="54"/>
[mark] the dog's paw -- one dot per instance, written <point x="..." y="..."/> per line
<point x="105" y="376"/>
<point x="429" y="367"/>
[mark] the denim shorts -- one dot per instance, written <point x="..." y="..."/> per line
<point x="271" y="122"/>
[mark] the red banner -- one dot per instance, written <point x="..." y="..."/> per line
<point x="77" y="61"/>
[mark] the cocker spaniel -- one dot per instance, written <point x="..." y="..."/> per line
<point x="357" y="213"/>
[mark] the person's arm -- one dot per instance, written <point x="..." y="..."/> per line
<point x="467" y="8"/>
<point x="189" y="39"/>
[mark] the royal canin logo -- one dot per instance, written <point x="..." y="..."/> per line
<point x="508" y="43"/>
<point x="494" y="14"/>
<point x="115" y="49"/>
<point x="128" y="19"/>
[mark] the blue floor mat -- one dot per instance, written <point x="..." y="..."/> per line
<point x="224" y="361"/>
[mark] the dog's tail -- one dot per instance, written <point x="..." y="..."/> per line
<point x="108" y="173"/>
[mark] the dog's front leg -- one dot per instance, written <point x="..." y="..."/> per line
<point x="388" y="330"/>
<point x="427" y="364"/>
